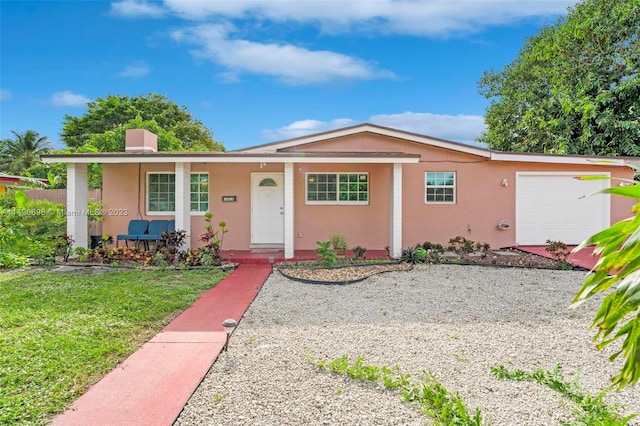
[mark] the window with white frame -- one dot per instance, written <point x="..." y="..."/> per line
<point x="440" y="187"/>
<point x="161" y="192"/>
<point x="337" y="188"/>
<point x="199" y="192"/>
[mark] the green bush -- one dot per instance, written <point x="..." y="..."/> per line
<point x="29" y="227"/>
<point x="13" y="261"/>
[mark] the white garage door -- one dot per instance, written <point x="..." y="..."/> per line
<point x="552" y="206"/>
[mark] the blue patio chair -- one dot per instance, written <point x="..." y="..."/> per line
<point x="154" y="233"/>
<point x="136" y="228"/>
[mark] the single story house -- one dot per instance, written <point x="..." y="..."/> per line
<point x="381" y="187"/>
<point x="10" y="180"/>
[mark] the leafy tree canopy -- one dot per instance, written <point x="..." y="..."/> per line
<point x="114" y="112"/>
<point x="574" y="88"/>
<point x="23" y="151"/>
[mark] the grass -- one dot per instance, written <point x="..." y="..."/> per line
<point x="61" y="332"/>
<point x="443" y="407"/>
<point x="590" y="408"/>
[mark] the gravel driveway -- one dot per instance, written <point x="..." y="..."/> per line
<point x="455" y="321"/>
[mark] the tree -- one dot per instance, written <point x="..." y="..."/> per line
<point x="23" y="151"/>
<point x="618" y="265"/>
<point x="574" y="87"/>
<point x="115" y="111"/>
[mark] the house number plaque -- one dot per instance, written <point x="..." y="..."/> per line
<point x="229" y="198"/>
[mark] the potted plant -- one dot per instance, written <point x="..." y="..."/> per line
<point x="339" y="243"/>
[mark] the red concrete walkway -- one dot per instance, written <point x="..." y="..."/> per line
<point x="584" y="258"/>
<point x="152" y="386"/>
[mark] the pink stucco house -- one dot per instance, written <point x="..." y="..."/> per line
<point x="379" y="186"/>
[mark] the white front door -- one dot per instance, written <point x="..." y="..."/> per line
<point x="267" y="208"/>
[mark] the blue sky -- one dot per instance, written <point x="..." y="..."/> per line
<point x="256" y="71"/>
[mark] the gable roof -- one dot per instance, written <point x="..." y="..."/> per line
<point x="439" y="143"/>
<point x="367" y="128"/>
<point x="277" y="152"/>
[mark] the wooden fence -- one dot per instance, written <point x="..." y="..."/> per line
<point x="60" y="196"/>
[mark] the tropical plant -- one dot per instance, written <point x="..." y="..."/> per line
<point x="64" y="246"/>
<point x="559" y="252"/>
<point x="325" y="253"/>
<point x="617" y="268"/>
<point x="574" y="87"/>
<point x="358" y="252"/>
<point x="173" y="240"/>
<point x="29" y="227"/>
<point x="23" y="151"/>
<point x="434" y="252"/>
<point x="213" y="237"/>
<point x="461" y="245"/>
<point x="413" y="255"/>
<point x="338" y="241"/>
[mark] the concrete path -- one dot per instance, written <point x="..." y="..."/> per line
<point x="152" y="386"/>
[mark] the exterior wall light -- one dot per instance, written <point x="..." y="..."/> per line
<point x="229" y="325"/>
<point x="504" y="182"/>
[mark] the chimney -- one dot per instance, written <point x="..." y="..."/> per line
<point x="141" y="140"/>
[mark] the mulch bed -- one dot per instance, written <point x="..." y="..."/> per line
<point x="310" y="272"/>
<point x="340" y="275"/>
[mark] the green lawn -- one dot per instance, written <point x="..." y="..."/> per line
<point x="61" y="332"/>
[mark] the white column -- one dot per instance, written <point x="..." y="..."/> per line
<point x="183" y="201"/>
<point x="289" y="248"/>
<point x="395" y="240"/>
<point x="77" y="194"/>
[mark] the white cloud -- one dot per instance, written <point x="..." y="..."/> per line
<point x="136" y="9"/>
<point x="418" y="17"/>
<point x="305" y="127"/>
<point x="136" y="69"/>
<point x="5" y="95"/>
<point x="291" y="64"/>
<point x="67" y="98"/>
<point x="456" y="128"/>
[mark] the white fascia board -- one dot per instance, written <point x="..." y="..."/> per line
<point x="398" y="134"/>
<point x="234" y="159"/>
<point x="557" y="159"/>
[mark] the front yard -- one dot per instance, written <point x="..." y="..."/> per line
<point x="61" y="332"/>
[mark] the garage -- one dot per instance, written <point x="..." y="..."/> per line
<point x="552" y="206"/>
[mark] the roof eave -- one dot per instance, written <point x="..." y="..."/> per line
<point x="254" y="158"/>
<point x="558" y="159"/>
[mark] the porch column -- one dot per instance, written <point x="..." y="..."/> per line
<point x="183" y="201"/>
<point x="289" y="248"/>
<point x="395" y="227"/>
<point x="77" y="194"/>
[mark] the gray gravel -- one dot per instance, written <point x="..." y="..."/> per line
<point x="455" y="321"/>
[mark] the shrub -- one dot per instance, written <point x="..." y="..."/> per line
<point x="413" y="255"/>
<point x="460" y="245"/>
<point x="213" y="237"/>
<point x="13" y="261"/>
<point x="325" y="253"/>
<point x="358" y="252"/>
<point x="433" y="251"/>
<point x="338" y="241"/>
<point x="559" y="252"/>
<point x="28" y="227"/>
